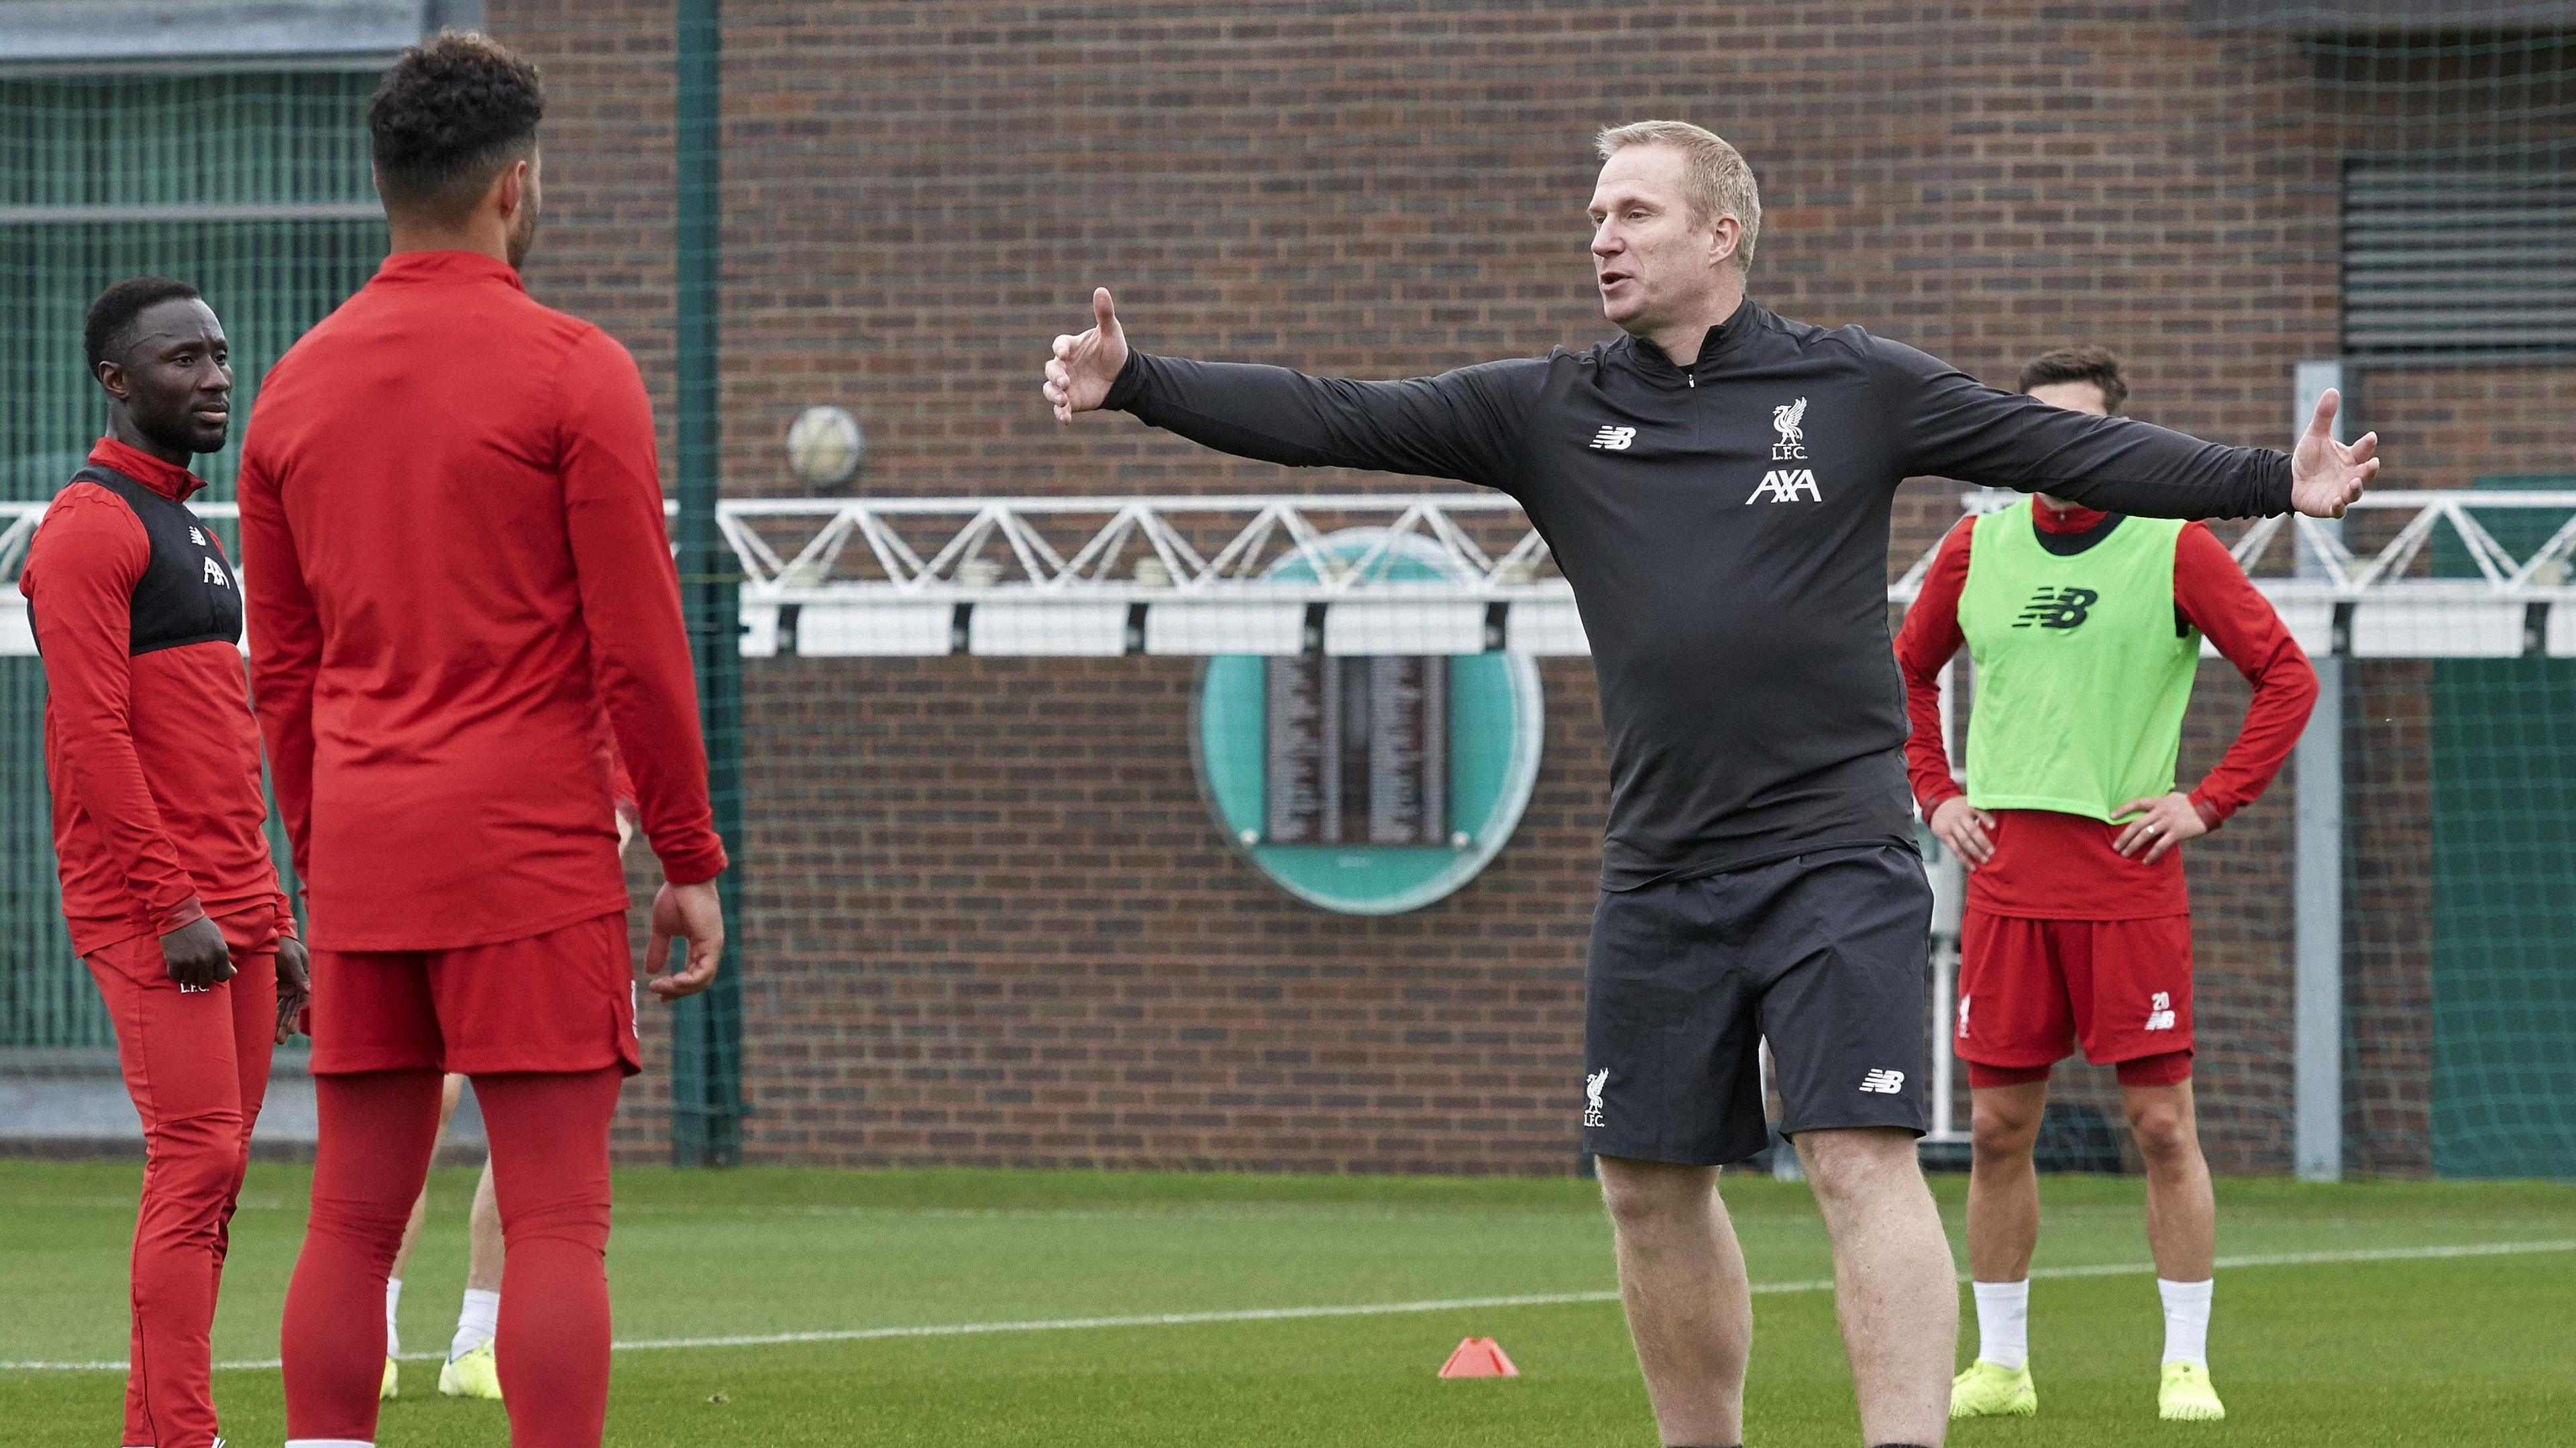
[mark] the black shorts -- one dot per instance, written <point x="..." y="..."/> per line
<point x="1827" y="955"/>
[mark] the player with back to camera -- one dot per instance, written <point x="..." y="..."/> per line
<point x="2085" y="626"/>
<point x="1716" y="485"/>
<point x="470" y="1369"/>
<point x="449" y="622"/>
<point x="152" y="759"/>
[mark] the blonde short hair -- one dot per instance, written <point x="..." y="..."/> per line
<point x="1716" y="181"/>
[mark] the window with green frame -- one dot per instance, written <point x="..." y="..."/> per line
<point x="253" y="186"/>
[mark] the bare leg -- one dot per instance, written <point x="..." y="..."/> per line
<point x="1690" y="1310"/>
<point x="449" y="1090"/>
<point x="2182" y="1214"/>
<point x="1893" y="1289"/>
<point x="483" y="1237"/>
<point x="2003" y="1188"/>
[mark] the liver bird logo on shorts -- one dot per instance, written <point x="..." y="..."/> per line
<point x="1592" y="1085"/>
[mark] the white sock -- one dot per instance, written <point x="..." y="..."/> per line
<point x="393" y="1302"/>
<point x="477" y="1322"/>
<point x="2186" y="1320"/>
<point x="2003" y="1322"/>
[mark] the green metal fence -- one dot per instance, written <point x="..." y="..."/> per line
<point x="253" y="186"/>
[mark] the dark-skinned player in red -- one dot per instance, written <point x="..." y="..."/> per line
<point x="152" y="758"/>
<point x="461" y="595"/>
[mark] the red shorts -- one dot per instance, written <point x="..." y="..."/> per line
<point x="561" y="1001"/>
<point x="2031" y="991"/>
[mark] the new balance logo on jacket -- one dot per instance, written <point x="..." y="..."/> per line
<point x="1883" y="1081"/>
<point x="1613" y="439"/>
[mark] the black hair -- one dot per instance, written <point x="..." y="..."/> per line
<point x="449" y="115"/>
<point x="109" y="328"/>
<point x="2096" y="365"/>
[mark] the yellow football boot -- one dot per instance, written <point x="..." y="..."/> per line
<point x="475" y="1375"/>
<point x="1988" y="1390"/>
<point x="2187" y="1397"/>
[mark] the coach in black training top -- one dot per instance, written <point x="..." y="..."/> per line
<point x="1716" y="485"/>
<point x="1725" y="528"/>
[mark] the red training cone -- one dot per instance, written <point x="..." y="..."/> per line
<point x="1479" y="1357"/>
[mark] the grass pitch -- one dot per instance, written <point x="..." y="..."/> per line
<point x="1002" y="1308"/>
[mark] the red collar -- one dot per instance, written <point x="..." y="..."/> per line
<point x="2073" y="520"/>
<point x="447" y="267"/>
<point x="168" y="479"/>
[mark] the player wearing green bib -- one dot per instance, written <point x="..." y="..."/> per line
<point x="2086" y="630"/>
<point x="2081" y="645"/>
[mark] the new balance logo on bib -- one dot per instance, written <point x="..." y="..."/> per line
<point x="2058" y="607"/>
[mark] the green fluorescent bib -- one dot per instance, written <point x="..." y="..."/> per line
<point x="2081" y="679"/>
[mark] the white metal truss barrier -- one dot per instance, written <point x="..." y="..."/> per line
<point x="1266" y="575"/>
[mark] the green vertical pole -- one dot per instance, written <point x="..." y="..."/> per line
<point x="706" y="1029"/>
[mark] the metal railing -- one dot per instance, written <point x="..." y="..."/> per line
<point x="1253" y="574"/>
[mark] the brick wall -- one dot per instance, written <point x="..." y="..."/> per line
<point x="988" y="917"/>
<point x="1008" y="932"/>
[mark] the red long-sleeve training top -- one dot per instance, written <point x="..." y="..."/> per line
<point x="453" y="544"/>
<point x="151" y="754"/>
<point x="2062" y="866"/>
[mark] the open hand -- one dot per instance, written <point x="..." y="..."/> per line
<point x="2169" y="819"/>
<point x="2326" y="476"/>
<point x="294" y="985"/>
<point x="1965" y="830"/>
<point x="690" y="913"/>
<point x="1078" y="375"/>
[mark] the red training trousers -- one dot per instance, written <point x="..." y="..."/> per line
<point x="196" y="1064"/>
<point x="545" y="1027"/>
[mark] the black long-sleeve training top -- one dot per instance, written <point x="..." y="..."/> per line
<point x="1724" y="527"/>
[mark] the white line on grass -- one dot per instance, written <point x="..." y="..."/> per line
<point x="1383" y="1309"/>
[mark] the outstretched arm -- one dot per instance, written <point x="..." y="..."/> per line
<point x="1464" y="424"/>
<point x="1954" y="426"/>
